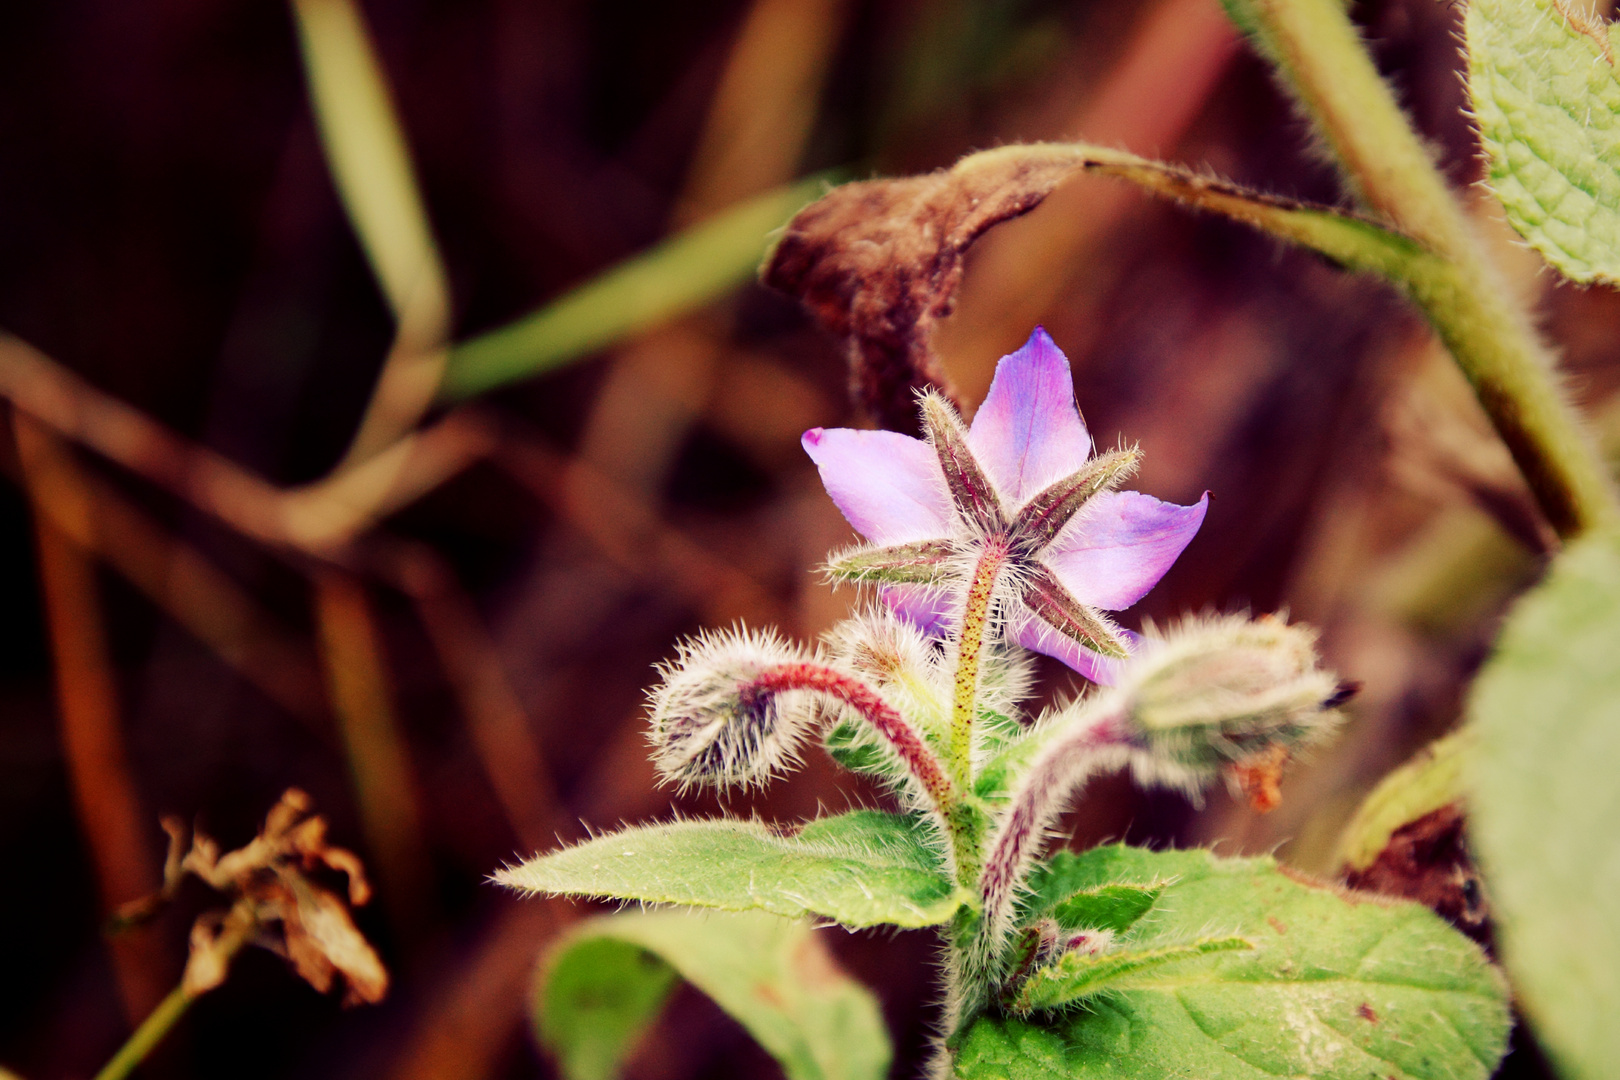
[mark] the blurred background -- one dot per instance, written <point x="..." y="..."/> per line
<point x="449" y="649"/>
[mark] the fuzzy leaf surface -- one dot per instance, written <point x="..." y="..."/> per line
<point x="1115" y="907"/>
<point x="1080" y="975"/>
<point x="1337" y="986"/>
<point x="863" y="868"/>
<point x="1548" y="107"/>
<point x="604" y="984"/>
<point x="1544" y="802"/>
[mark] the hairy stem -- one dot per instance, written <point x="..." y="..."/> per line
<point x="908" y="746"/>
<point x="1320" y="55"/>
<point x="885" y="720"/>
<point x="975" y="621"/>
<point x="1093" y="742"/>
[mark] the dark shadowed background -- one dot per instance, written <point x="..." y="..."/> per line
<point x="169" y="231"/>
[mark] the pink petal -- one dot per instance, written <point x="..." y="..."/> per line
<point x="1028" y="433"/>
<point x="1032" y="633"/>
<point x="930" y="610"/>
<point x="889" y="486"/>
<point x="1120" y="545"/>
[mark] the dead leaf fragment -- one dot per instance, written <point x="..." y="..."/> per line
<point x="1259" y="777"/>
<point x="1427" y="860"/>
<point x="879" y="262"/>
<point x="277" y="905"/>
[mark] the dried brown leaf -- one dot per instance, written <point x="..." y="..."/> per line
<point x="278" y="906"/>
<point x="321" y="938"/>
<point x="879" y="262"/>
<point x="215" y="939"/>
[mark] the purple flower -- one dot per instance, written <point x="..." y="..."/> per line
<point x="1018" y="502"/>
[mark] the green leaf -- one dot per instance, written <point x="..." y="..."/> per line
<point x="1107" y="907"/>
<point x="1080" y="975"/>
<point x="1547" y="102"/>
<point x="605" y="982"/>
<point x="853" y="744"/>
<point x="864" y="868"/>
<point x="686" y="271"/>
<point x="1431" y="779"/>
<point x="1545" y="804"/>
<point x="1337" y="986"/>
<point x="366" y="151"/>
<point x="597" y="997"/>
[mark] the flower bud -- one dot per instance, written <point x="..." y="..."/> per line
<point x="1229" y="694"/>
<point x="716" y="719"/>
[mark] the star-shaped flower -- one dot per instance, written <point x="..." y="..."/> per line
<point x="1016" y="505"/>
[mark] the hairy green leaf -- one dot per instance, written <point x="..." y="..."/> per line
<point x="1545" y="804"/>
<point x="1337" y="986"/>
<point x="605" y="982"/>
<point x="1115" y="907"/>
<point x="689" y="269"/>
<point x="853" y="744"/>
<point x="1079" y="975"/>
<point x="1547" y="100"/>
<point x="863" y="868"/>
<point x="1431" y="779"/>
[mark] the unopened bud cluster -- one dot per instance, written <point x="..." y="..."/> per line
<point x="713" y="724"/>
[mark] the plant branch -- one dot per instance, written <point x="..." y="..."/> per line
<point x="976" y="615"/>
<point x="371" y="166"/>
<point x="162" y="1019"/>
<point x="318" y="519"/>
<point x="1092" y="741"/>
<point x="1321" y="58"/>
<point x="907" y="745"/>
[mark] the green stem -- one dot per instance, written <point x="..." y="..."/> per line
<point x="1320" y="55"/>
<point x="238" y="927"/>
<point x="963" y="819"/>
<point x="975" y="621"/>
<point x="148" y="1035"/>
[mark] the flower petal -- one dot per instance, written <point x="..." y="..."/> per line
<point x="1120" y="545"/>
<point x="1028" y="433"/>
<point x="1032" y="633"/>
<point x="933" y="611"/>
<point x="889" y="486"/>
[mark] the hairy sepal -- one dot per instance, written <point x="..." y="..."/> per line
<point x="924" y="562"/>
<point x="1045" y="515"/>
<point x="1052" y="603"/>
<point x="975" y="497"/>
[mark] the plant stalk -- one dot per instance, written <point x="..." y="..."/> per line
<point x="970" y="646"/>
<point x="1320" y="56"/>
<point x="162" y="1019"/>
<point x="149" y="1034"/>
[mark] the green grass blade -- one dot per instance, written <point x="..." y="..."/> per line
<point x="681" y="273"/>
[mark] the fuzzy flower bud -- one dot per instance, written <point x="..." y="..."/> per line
<point x="718" y="720"/>
<point x="734" y="708"/>
<point x="1223" y="695"/>
<point x="1229" y="694"/>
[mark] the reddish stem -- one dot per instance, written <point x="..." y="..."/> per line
<point x="1062" y="765"/>
<point x="905" y="741"/>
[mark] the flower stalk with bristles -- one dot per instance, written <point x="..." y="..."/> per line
<point x="1208" y="695"/>
<point x="735" y="707"/>
<point x="985" y="540"/>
